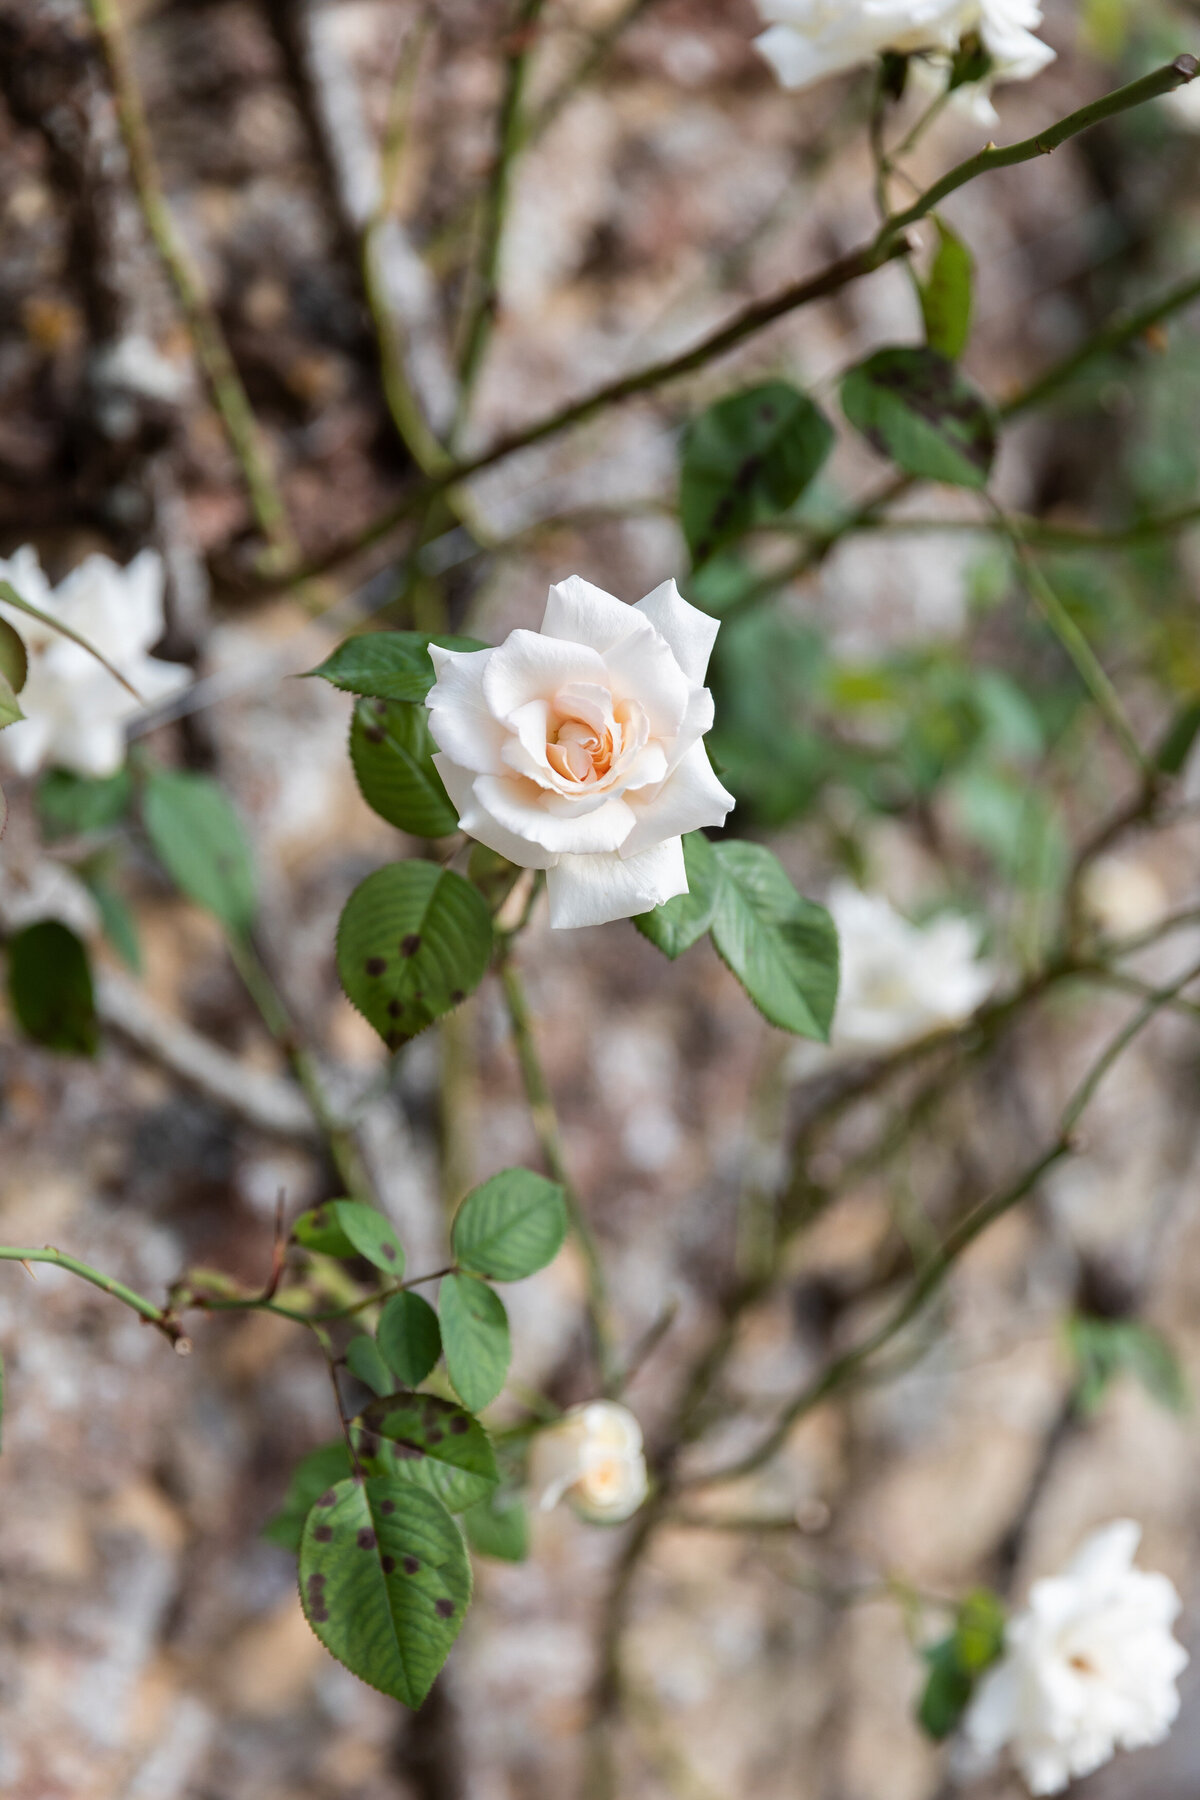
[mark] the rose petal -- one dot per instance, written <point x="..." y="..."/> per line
<point x="591" y="890"/>
<point x="689" y="798"/>
<point x="643" y="668"/>
<point x="567" y="827"/>
<point x="690" y="633"/>
<point x="528" y="667"/>
<point x="462" y="726"/>
<point x="582" y="614"/>
<point x="477" y="823"/>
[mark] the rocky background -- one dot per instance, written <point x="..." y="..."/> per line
<point x="151" y="1643"/>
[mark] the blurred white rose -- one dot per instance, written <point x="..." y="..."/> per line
<point x="579" y="750"/>
<point x="900" y="980"/>
<point x="1089" y="1667"/>
<point x="807" y="40"/>
<point x="75" y="711"/>
<point x="592" y="1457"/>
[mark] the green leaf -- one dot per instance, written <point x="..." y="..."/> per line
<point x="510" y="1226"/>
<point x="318" y="1471"/>
<point x="746" y="460"/>
<point x="14" y="658"/>
<point x="200" y="840"/>
<point x="947" y="297"/>
<point x="71" y="804"/>
<point x="346" y="1228"/>
<point x="364" y="1360"/>
<point x="678" y="924"/>
<point x="391" y="749"/>
<point x="475" y="1339"/>
<point x="50" y="987"/>
<point x="414" y="941"/>
<point x="916" y="409"/>
<point x="10" y="597"/>
<point x="116" y="917"/>
<point x="410" y="1338"/>
<point x="388" y="665"/>
<point x="385" y="1581"/>
<point x="499" y="1527"/>
<point x="436" y="1445"/>
<point x="10" y="706"/>
<point x="782" y="948"/>
<point x="957" y="1662"/>
<point x="946" y="1694"/>
<point x="1106" y="1348"/>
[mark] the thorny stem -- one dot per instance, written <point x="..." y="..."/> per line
<point x="228" y="393"/>
<point x="549" y="1136"/>
<point x="154" y="1315"/>
<point x="889" y="244"/>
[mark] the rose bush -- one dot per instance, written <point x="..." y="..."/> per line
<point x="579" y="750"/>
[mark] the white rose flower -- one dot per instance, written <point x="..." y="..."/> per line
<point x="579" y="750"/>
<point x="807" y="40"/>
<point x="1089" y="1667"/>
<point x="592" y="1457"/>
<point x="75" y="711"/>
<point x="900" y="980"/>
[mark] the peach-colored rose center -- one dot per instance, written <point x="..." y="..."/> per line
<point x="578" y="752"/>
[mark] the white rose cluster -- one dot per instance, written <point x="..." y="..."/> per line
<point x="1089" y="1668"/>
<point x="593" y="1458"/>
<point x="75" y="710"/>
<point x="900" y="981"/>
<point x="806" y="40"/>
<point x="578" y="750"/>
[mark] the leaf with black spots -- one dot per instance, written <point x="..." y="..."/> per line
<point x="413" y="942"/>
<point x="436" y="1444"/>
<point x="346" y="1228"/>
<point x="391" y="750"/>
<point x="313" y="1475"/>
<point x="385" y="1581"/>
<point x="915" y="408"/>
